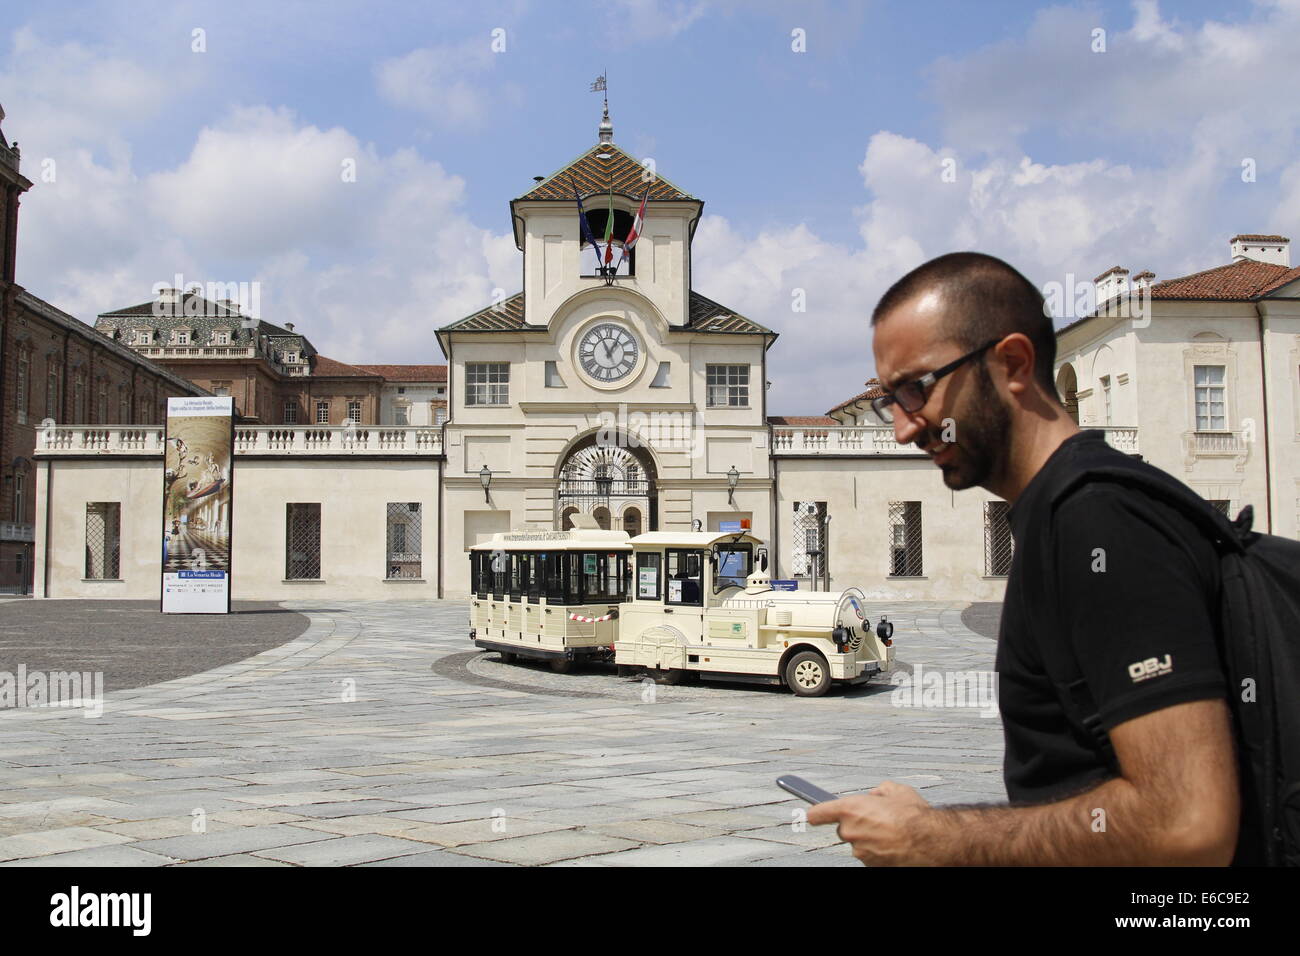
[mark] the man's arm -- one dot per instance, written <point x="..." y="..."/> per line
<point x="1176" y="802"/>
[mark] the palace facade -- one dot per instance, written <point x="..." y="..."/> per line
<point x="620" y="391"/>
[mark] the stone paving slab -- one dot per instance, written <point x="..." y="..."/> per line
<point x="441" y="743"/>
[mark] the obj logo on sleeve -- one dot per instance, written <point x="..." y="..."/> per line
<point x="1151" y="667"/>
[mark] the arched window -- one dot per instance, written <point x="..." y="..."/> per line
<point x="566" y="519"/>
<point x="593" y="263"/>
<point x="601" y="515"/>
<point x="632" y="521"/>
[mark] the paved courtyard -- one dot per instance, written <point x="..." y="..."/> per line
<point x="379" y="737"/>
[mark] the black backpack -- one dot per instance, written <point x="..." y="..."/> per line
<point x="1259" y="648"/>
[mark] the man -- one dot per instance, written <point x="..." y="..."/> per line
<point x="965" y="351"/>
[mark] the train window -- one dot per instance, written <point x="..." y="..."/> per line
<point x="647" y="575"/>
<point x="500" y="564"/>
<point x="624" y="578"/>
<point x="735" y="562"/>
<point x="518" y="570"/>
<point x="536" y="562"/>
<point x="591" y="577"/>
<point x="554" y="574"/>
<point x="480" y="571"/>
<point x="612" y="574"/>
<point x="684" y="576"/>
<point x="572" y="578"/>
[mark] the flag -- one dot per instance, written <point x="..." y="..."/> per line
<point x="609" y="228"/>
<point x="587" y="234"/>
<point x="634" y="233"/>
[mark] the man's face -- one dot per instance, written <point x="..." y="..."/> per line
<point x="964" y="425"/>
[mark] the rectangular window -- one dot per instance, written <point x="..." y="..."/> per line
<point x="728" y="386"/>
<point x="905" y="539"/>
<point x="20" y="387"/>
<point x="553" y="379"/>
<point x="998" y="546"/>
<point x="684" y="577"/>
<point x="182" y="338"/>
<point x="20" y="497"/>
<point x="101" y="407"/>
<point x="291" y="412"/>
<point x="354" y="412"/>
<point x="487" y="383"/>
<point x="322" y="413"/>
<point x="401" y="416"/>
<point x="223" y="338"/>
<point x="807" y="557"/>
<point x="404" y="558"/>
<point x="52" y="394"/>
<point x="1105" y="399"/>
<point x="103" y="540"/>
<point x="647" y="575"/>
<point x="1211" y="407"/>
<point x="79" y="401"/>
<point x="553" y="572"/>
<point x="439" y="415"/>
<point x="518" y="574"/>
<point x="302" y="541"/>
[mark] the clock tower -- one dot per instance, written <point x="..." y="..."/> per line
<point x="607" y="386"/>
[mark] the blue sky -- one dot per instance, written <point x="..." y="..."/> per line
<point x="820" y="170"/>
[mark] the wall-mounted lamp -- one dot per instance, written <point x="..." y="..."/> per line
<point x="485" y="479"/>
<point x="733" y="478"/>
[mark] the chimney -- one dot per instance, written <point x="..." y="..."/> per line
<point x="168" y="296"/>
<point x="289" y="326"/>
<point x="1275" y="250"/>
<point x="1112" y="282"/>
<point x="230" y="305"/>
<point x="1143" y="279"/>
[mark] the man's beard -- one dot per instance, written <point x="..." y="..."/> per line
<point x="981" y="431"/>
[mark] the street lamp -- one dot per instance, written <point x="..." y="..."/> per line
<point x="485" y="479"/>
<point x="733" y="477"/>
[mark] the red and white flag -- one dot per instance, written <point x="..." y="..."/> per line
<point x="635" y="232"/>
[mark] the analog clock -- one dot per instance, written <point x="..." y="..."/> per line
<point x="608" y="352"/>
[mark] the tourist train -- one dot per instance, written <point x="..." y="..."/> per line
<point x="666" y="604"/>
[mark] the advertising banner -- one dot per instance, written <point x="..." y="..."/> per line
<point x="198" y="464"/>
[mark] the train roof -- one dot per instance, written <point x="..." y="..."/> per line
<point x="577" y="539"/>
<point x="692" y="539"/>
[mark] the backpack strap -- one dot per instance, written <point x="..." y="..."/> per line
<point x="1226" y="536"/>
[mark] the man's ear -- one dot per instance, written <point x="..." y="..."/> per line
<point x="1014" y="358"/>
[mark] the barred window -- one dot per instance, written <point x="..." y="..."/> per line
<point x="728" y="386"/>
<point x="79" y="400"/>
<point x="439" y="415"/>
<point x="905" y="539"/>
<point x="322" y="413"/>
<point x="487" y="383"/>
<point x="20" y="385"/>
<point x="52" y="393"/>
<point x="403" y="539"/>
<point x="103" y="540"/>
<point x="807" y="555"/>
<point x="101" y="407"/>
<point x="291" y="412"/>
<point x="354" y="412"/>
<point x="302" y="541"/>
<point x="998" y="545"/>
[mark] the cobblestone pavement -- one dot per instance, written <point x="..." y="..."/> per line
<point x="377" y="738"/>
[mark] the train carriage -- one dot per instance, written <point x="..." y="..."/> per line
<point x="549" y="595"/>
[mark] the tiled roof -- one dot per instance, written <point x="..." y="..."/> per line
<point x="592" y="174"/>
<point x="328" y="368"/>
<point x="408" y="373"/>
<point x="505" y="316"/>
<point x="202" y="316"/>
<point x="1250" y="238"/>
<point x="873" y="391"/>
<point x="191" y="303"/>
<point x="801" y="420"/>
<point x="1239" y="281"/>
<point x="705" y="316"/>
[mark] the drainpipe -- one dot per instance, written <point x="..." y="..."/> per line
<point x="1262" y="310"/>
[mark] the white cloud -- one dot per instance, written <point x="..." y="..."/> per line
<point x="446" y="84"/>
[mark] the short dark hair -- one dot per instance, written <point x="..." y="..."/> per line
<point x="986" y="298"/>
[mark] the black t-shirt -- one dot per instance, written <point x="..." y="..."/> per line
<point x="1129" y="585"/>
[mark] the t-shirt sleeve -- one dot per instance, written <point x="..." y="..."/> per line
<point x="1136" y="601"/>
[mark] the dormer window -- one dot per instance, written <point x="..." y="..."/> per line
<point x="182" y="337"/>
<point x="290" y="358"/>
<point x="222" y="337"/>
<point x="143" y="336"/>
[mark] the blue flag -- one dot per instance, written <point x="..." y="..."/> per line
<point x="587" y="234"/>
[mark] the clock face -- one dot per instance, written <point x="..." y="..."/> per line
<point x="608" y="352"/>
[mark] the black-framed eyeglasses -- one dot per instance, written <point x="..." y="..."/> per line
<point x="911" y="396"/>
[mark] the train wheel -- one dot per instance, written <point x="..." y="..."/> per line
<point x="808" y="674"/>
<point x="561" y="666"/>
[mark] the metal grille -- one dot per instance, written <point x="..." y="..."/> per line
<point x="302" y="541"/>
<point x="403" y="539"/>
<point x="103" y="539"/>
<point x="808" y="556"/>
<point x="998" y="544"/>
<point x="905" y="558"/>
<point x="1222" y="505"/>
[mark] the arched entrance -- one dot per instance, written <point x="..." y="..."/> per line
<point x="605" y="479"/>
<point x="1067" y="385"/>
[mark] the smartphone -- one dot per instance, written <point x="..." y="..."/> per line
<point x="804" y="790"/>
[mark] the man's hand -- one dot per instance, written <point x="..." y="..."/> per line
<point x="882" y="824"/>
